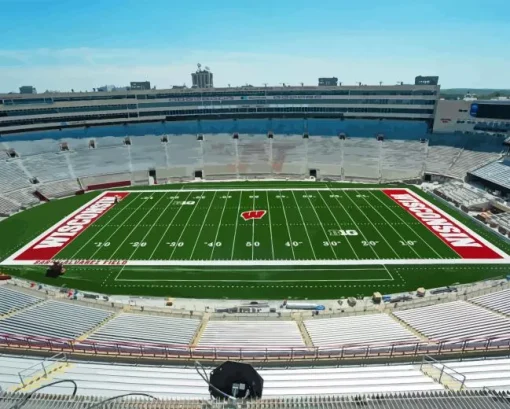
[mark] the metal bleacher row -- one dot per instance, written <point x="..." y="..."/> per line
<point x="480" y="318"/>
<point x="461" y="195"/>
<point x="41" y="165"/>
<point x="24" y="315"/>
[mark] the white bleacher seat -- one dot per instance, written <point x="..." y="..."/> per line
<point x="402" y="159"/>
<point x="487" y="373"/>
<point x="148" y="152"/>
<point x="177" y="382"/>
<point x="12" y="300"/>
<point x="455" y="320"/>
<point x="254" y="154"/>
<point x="110" y="160"/>
<point x="11" y="366"/>
<point x="440" y="159"/>
<point x="54" y="319"/>
<point x="61" y="188"/>
<point x="147" y="328"/>
<point x="468" y="197"/>
<point x="8" y="207"/>
<point x="97" y="180"/>
<point x="252" y="333"/>
<point x="289" y="155"/>
<point x="11" y="176"/>
<point x="220" y="155"/>
<point x="498" y="301"/>
<point x="362" y="158"/>
<point x="325" y="154"/>
<point x="48" y="167"/>
<point x="469" y="160"/>
<point x="364" y="329"/>
<point x="23" y="196"/>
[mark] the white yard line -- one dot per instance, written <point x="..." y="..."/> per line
<point x="201" y="227"/>
<point x="105" y="225"/>
<point x="186" y="225"/>
<point x="304" y="225"/>
<point x="338" y="224"/>
<point x="357" y="227"/>
<point x="287" y="224"/>
<point x="322" y="226"/>
<point x="253" y="231"/>
<point x="168" y="228"/>
<point x="237" y="224"/>
<point x="373" y="225"/>
<point x="388" y="271"/>
<point x="270" y="226"/>
<point x="407" y="225"/>
<point x="117" y="229"/>
<point x="152" y="226"/>
<point x="219" y="226"/>
<point x="389" y="224"/>
<point x="134" y="228"/>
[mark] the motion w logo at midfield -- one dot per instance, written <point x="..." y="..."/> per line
<point x="253" y="214"/>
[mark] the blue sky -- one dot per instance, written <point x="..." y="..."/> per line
<point x="58" y="44"/>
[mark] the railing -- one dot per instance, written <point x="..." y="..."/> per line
<point x="43" y="366"/>
<point x="273" y="353"/>
<point x="446" y="376"/>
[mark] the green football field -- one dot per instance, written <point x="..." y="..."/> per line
<point x="248" y="240"/>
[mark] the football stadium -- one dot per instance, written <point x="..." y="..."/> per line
<point x="330" y="246"/>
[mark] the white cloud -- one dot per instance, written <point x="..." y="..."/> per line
<point x="87" y="68"/>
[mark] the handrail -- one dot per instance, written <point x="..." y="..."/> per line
<point x="173" y="351"/>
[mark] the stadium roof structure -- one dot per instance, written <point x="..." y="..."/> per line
<point x="496" y="172"/>
<point x="484" y="399"/>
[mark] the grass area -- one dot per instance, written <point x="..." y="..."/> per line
<point x="313" y="225"/>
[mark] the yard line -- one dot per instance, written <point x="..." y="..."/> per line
<point x="150" y="229"/>
<point x="237" y="223"/>
<point x="253" y="231"/>
<point x="168" y="227"/>
<point x="304" y="225"/>
<point x="287" y="224"/>
<point x="414" y="231"/>
<point x="356" y="224"/>
<point x="219" y="225"/>
<point x="105" y="225"/>
<point x="322" y="226"/>
<point x="201" y="227"/>
<point x="186" y="225"/>
<point x="338" y="224"/>
<point x="373" y="225"/>
<point x="134" y="228"/>
<point x="390" y="224"/>
<point x="270" y="228"/>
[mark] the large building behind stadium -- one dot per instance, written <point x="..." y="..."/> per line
<point x="280" y="246"/>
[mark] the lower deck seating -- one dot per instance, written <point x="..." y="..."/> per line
<point x="8" y="207"/>
<point x="490" y="373"/>
<point x="11" y="366"/>
<point x="252" y="333"/>
<point x="54" y="319"/>
<point x="177" y="382"/>
<point x="12" y="300"/>
<point x="498" y="301"/>
<point x="455" y="320"/>
<point x="25" y="197"/>
<point x="148" y="328"/>
<point x="363" y="329"/>
<point x="61" y="188"/>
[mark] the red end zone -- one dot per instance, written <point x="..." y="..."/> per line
<point x="464" y="243"/>
<point x="50" y="243"/>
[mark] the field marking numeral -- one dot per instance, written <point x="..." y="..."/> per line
<point x="176" y="244"/>
<point x="334" y="196"/>
<point x="254" y="196"/>
<point x="226" y="197"/>
<point x="361" y="196"/>
<point x="199" y="197"/>
<point x="369" y="243"/>
<point x="293" y="243"/>
<point x="308" y="196"/>
<point x="173" y="197"/>
<point x="139" y="244"/>
<point x="280" y="196"/>
<point x="252" y="244"/>
<point x="147" y="198"/>
<point x="407" y="243"/>
<point x="213" y="244"/>
<point x="333" y="232"/>
<point x="102" y="244"/>
<point x="330" y="243"/>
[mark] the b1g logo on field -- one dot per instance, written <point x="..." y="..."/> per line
<point x="253" y="214"/>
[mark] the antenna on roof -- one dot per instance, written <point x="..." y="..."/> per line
<point x="207" y="69"/>
<point x="199" y="66"/>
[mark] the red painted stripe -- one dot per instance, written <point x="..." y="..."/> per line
<point x="464" y="243"/>
<point x="47" y="247"/>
